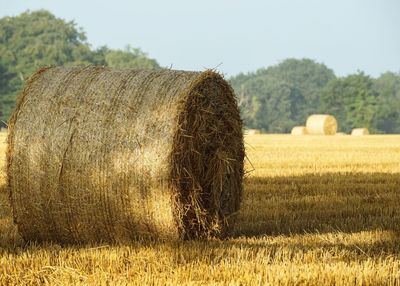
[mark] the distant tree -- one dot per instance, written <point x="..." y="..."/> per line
<point x="352" y="100"/>
<point x="276" y="98"/>
<point x="6" y="101"/>
<point x="387" y="117"/>
<point x="37" y="39"/>
<point x="129" y="58"/>
<point x="5" y="76"/>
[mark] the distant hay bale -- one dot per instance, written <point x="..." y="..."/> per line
<point x="252" y="131"/>
<point x="340" y="133"/>
<point x="360" y="131"/>
<point x="102" y="154"/>
<point x="321" y="124"/>
<point x="299" y="130"/>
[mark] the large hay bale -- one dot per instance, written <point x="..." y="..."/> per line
<point x="299" y="130"/>
<point x="101" y="154"/>
<point x="360" y="131"/>
<point x="321" y="124"/>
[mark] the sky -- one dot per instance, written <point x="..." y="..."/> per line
<point x="236" y="36"/>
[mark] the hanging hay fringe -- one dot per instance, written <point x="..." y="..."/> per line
<point x="360" y="131"/>
<point x="299" y="130"/>
<point x="101" y="154"/>
<point x="321" y="124"/>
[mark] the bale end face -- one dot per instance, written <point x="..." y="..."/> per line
<point x="207" y="159"/>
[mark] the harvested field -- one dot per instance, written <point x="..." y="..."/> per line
<point x="317" y="210"/>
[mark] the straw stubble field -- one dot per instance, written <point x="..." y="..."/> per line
<point x="316" y="210"/>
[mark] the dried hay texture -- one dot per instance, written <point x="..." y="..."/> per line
<point x="360" y="131"/>
<point x="252" y="131"/>
<point x="321" y="124"/>
<point x="299" y="130"/>
<point x="101" y="154"/>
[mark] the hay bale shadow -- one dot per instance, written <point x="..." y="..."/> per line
<point x="319" y="204"/>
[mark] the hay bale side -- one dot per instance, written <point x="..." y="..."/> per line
<point x="117" y="154"/>
<point x="360" y="131"/>
<point x="299" y="130"/>
<point x="321" y="124"/>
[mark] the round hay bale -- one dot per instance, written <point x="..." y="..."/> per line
<point x="252" y="132"/>
<point x="360" y="131"/>
<point x="321" y="124"/>
<point x="299" y="130"/>
<point x="101" y="154"/>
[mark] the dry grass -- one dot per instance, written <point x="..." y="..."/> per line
<point x="317" y="210"/>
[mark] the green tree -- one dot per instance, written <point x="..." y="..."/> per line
<point x="37" y="39"/>
<point x="129" y="58"/>
<point x="279" y="97"/>
<point x="387" y="117"/>
<point x="352" y="100"/>
<point x="6" y="90"/>
<point x="5" y="76"/>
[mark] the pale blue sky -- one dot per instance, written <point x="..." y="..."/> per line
<point x="239" y="35"/>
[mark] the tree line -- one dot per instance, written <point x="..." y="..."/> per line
<point x="273" y="99"/>
<point x="279" y="97"/>
<point x="37" y="39"/>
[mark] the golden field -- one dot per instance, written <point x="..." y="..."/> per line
<point x="317" y="210"/>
